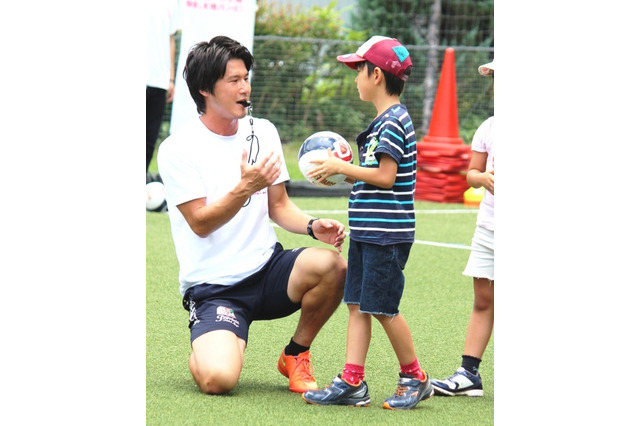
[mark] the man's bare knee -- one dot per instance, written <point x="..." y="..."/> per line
<point x="339" y="273"/>
<point x="216" y="382"/>
<point x="216" y="361"/>
<point x="217" y="385"/>
<point x="319" y="275"/>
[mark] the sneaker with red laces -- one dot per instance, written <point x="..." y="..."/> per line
<point x="299" y="371"/>
<point x="410" y="391"/>
<point x="339" y="392"/>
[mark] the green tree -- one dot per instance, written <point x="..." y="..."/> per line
<point x="427" y="27"/>
<point x="405" y="20"/>
<point x="408" y="20"/>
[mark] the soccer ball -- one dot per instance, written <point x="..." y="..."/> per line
<point x="156" y="197"/>
<point x="315" y="148"/>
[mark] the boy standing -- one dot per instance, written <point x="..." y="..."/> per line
<point x="382" y="226"/>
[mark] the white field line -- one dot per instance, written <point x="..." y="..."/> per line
<point x="474" y="211"/>
<point x="426" y="243"/>
<point x="448" y="245"/>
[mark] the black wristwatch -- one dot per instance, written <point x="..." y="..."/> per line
<point x="309" y="229"/>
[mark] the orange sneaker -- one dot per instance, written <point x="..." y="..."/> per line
<point x="299" y="371"/>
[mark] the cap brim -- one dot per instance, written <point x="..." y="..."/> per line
<point x="486" y="69"/>
<point x="350" y="60"/>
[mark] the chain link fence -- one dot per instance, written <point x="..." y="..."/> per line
<point x="298" y="84"/>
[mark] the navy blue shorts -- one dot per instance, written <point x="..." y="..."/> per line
<point x="261" y="296"/>
<point x="375" y="280"/>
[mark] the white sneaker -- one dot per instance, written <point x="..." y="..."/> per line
<point x="460" y="383"/>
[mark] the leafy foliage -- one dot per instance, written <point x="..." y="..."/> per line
<point x="407" y="20"/>
<point x="297" y="90"/>
<point x="288" y="20"/>
<point x="462" y="23"/>
<point x="299" y="85"/>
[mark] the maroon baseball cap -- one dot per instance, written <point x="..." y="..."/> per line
<point x="384" y="52"/>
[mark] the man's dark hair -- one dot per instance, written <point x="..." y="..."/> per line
<point x="393" y="84"/>
<point x="207" y="63"/>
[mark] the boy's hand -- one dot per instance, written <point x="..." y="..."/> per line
<point x="329" y="167"/>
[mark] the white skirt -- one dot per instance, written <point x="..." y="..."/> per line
<point x="480" y="264"/>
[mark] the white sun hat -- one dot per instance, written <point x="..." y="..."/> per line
<point x="486" y="69"/>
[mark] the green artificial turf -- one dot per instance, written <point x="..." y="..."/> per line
<point x="436" y="304"/>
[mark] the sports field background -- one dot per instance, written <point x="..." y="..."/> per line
<point x="566" y="305"/>
<point x="436" y="303"/>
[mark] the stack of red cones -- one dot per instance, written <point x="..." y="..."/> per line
<point x="443" y="158"/>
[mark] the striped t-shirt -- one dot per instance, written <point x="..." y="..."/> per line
<point x="386" y="216"/>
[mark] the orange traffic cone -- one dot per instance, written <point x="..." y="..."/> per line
<point x="444" y="117"/>
<point x="442" y="155"/>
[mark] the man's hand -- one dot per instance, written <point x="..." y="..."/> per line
<point x="261" y="174"/>
<point x="329" y="231"/>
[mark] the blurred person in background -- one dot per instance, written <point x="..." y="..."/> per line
<point x="162" y="26"/>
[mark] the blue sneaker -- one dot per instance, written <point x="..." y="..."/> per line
<point x="410" y="391"/>
<point x="460" y="383"/>
<point x="340" y="392"/>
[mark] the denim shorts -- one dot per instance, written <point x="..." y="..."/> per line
<point x="261" y="296"/>
<point x="375" y="280"/>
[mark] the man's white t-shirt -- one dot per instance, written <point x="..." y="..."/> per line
<point x="195" y="163"/>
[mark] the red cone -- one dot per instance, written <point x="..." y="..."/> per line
<point x="444" y="116"/>
<point x="443" y="158"/>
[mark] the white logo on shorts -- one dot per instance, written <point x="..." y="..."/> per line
<point x="226" y="315"/>
<point x="192" y="313"/>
